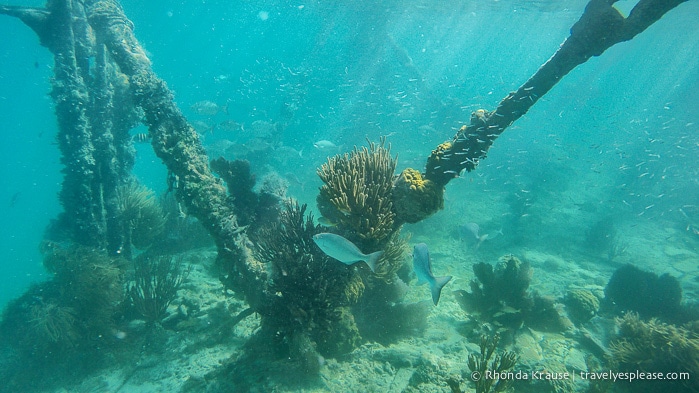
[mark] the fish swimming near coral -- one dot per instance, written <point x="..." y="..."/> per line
<point x="208" y="108"/>
<point x="337" y="247"/>
<point x="326" y="222"/>
<point x="220" y="148"/>
<point x="202" y="128"/>
<point x="326" y="146"/>
<point x="472" y="230"/>
<point x="141" y="137"/>
<point x="423" y="269"/>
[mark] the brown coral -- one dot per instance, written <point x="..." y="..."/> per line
<point x="155" y="285"/>
<point x="653" y="346"/>
<point x="309" y="292"/>
<point x="53" y="323"/>
<point x="416" y="198"/>
<point x="142" y="216"/>
<point x="581" y="305"/>
<point x="357" y="194"/>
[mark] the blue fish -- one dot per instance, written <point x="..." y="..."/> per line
<point x="423" y="269"/>
<point x="336" y="246"/>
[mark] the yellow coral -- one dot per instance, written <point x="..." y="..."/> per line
<point x="356" y="195"/>
<point x="479" y="116"/>
<point x="393" y="256"/>
<point x="441" y="149"/>
<point x="649" y="346"/>
<point x="414" y="197"/>
<point x="438" y="162"/>
<point x="354" y="289"/>
<point x="414" y="179"/>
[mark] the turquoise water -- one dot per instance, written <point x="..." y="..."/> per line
<point x="30" y="168"/>
<point x="616" y="140"/>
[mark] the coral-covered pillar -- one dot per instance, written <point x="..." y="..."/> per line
<point x="600" y="27"/>
<point x="178" y="146"/>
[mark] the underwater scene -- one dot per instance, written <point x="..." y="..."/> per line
<point x="363" y="196"/>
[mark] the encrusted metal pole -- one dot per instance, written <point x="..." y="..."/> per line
<point x="109" y="174"/>
<point x="71" y="96"/>
<point x="600" y="27"/>
<point x="93" y="132"/>
<point x="177" y="144"/>
<point x="71" y="44"/>
<point x="91" y="141"/>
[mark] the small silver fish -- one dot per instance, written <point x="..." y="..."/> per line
<point x="202" y="127"/>
<point x="473" y="229"/>
<point x="470" y="228"/>
<point x="325" y="145"/>
<point x="326" y="222"/>
<point x="230" y="125"/>
<point x="337" y="247"/>
<point x="208" y="108"/>
<point x="423" y="269"/>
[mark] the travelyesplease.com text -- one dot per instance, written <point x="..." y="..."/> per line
<point x="614" y="376"/>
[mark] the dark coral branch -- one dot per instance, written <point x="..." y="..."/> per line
<point x="312" y="292"/>
<point x="155" y="285"/>
<point x="481" y="363"/>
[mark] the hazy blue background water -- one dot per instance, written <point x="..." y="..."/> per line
<point x="620" y="129"/>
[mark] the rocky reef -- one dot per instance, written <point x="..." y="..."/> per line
<point x="416" y="197"/>
<point x="65" y="324"/>
<point x="310" y="292"/>
<point x="309" y="305"/>
<point x="646" y="293"/>
<point x="500" y="295"/>
<point x="655" y="347"/>
<point x="581" y="305"/>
